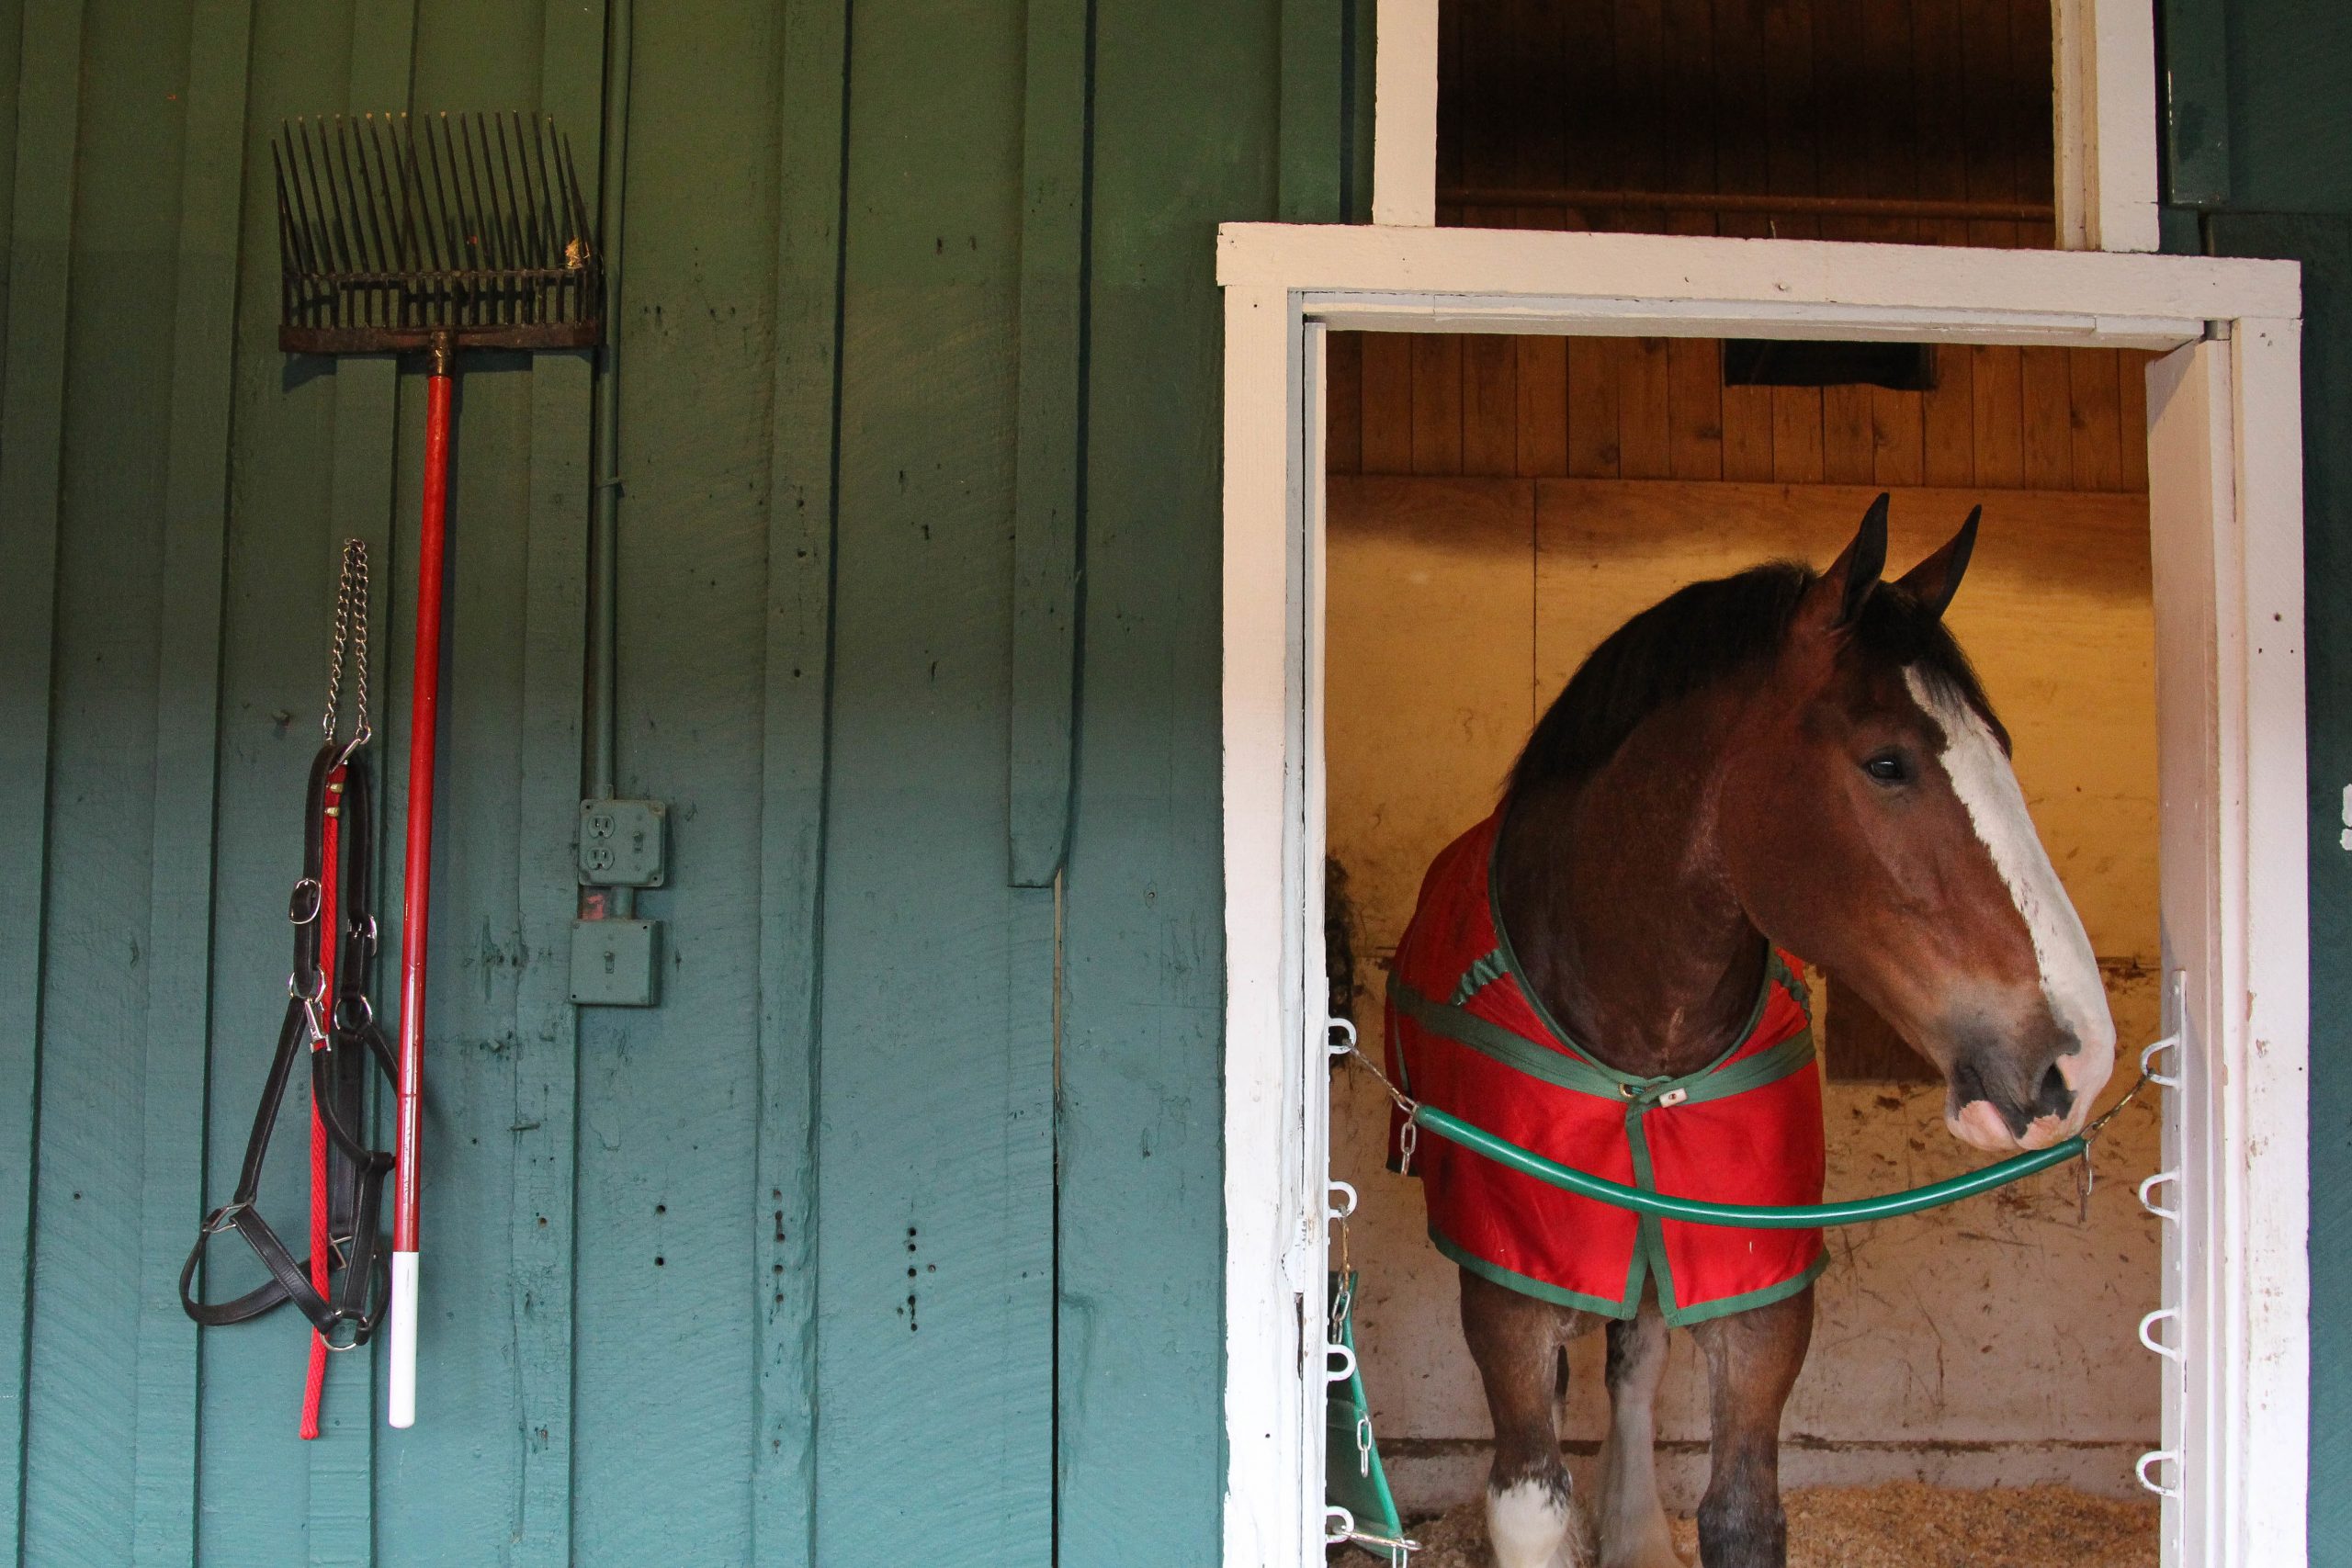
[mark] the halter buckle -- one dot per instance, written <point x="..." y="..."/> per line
<point x="304" y="906"/>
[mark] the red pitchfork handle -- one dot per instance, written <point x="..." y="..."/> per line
<point x="423" y="717"/>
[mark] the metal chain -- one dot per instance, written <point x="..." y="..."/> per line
<point x="350" y="644"/>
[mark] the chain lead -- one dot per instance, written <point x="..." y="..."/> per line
<point x="350" y="644"/>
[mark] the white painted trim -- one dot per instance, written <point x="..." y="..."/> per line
<point x="2252" y="953"/>
<point x="2103" y="69"/>
<point x="1404" y="113"/>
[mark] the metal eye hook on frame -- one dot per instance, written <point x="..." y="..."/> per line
<point x="2158" y="1456"/>
<point x="1339" y="1525"/>
<point x="2161" y="1212"/>
<point x="2169" y="1352"/>
<point x="1342" y="1353"/>
<point x="1339" y="1027"/>
<point x="1338" y="1189"/>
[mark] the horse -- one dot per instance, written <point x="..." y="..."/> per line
<point x="1776" y="762"/>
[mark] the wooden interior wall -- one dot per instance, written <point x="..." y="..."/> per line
<point x="1938" y="110"/>
<point x="1999" y="418"/>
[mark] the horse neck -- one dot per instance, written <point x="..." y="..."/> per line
<point x="1620" y="912"/>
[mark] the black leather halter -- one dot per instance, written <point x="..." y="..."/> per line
<point x="343" y="1030"/>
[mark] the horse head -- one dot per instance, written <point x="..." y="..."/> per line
<point x="1869" y="820"/>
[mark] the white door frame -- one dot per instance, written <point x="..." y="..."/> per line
<point x="2226" y="473"/>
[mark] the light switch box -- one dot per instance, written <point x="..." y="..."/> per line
<point x="616" y="964"/>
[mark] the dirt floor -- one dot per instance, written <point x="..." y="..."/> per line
<point x="1902" y="1526"/>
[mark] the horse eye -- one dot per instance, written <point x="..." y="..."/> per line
<point x="1887" y="768"/>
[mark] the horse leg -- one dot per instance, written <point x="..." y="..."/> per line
<point x="1516" y="1340"/>
<point x="1752" y="1362"/>
<point x="1634" y="1532"/>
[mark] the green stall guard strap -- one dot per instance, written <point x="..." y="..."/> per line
<point x="1352" y="1476"/>
<point x="1850" y="1212"/>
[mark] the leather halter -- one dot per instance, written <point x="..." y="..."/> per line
<point x="340" y="1036"/>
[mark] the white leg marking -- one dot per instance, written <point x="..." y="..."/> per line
<point x="1988" y="786"/>
<point x="1531" y="1526"/>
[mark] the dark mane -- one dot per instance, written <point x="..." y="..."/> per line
<point x="1710" y="632"/>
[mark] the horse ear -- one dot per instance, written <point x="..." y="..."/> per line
<point x="1836" y="597"/>
<point x="1934" y="580"/>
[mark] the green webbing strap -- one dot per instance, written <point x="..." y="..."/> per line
<point x="1806" y="1216"/>
<point x="1352" y="1476"/>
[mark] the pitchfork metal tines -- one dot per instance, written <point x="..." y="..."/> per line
<point x="469" y="229"/>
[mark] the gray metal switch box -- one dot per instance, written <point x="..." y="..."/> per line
<point x="621" y="842"/>
<point x="616" y="964"/>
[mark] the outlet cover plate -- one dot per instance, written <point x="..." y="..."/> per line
<point x="621" y="843"/>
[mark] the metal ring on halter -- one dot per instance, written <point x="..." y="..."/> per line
<point x="2155" y="1208"/>
<point x="366" y="1012"/>
<point x="297" y="911"/>
<point x="1343" y="1353"/>
<point x="315" y="996"/>
<point x="2169" y="1352"/>
<point x="326" y="1340"/>
<point x="2158" y="1456"/>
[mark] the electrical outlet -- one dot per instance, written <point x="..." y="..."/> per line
<point x="616" y="964"/>
<point x="621" y="842"/>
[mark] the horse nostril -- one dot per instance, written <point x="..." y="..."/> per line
<point x="2056" y="1098"/>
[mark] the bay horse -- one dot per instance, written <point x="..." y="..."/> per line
<point x="1776" y="762"/>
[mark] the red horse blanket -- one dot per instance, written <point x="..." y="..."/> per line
<point x="1467" y="1036"/>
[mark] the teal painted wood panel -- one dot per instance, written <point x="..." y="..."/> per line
<point x="934" y="1203"/>
<point x="668" y="1104"/>
<point x="802" y="522"/>
<point x="840" y="410"/>
<point x="1186" y="136"/>
<point x="2290" y="138"/>
<point x="187" y="727"/>
<point x="32" y="415"/>
<point x="81" y="1389"/>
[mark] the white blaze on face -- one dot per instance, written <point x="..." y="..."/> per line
<point x="1988" y="786"/>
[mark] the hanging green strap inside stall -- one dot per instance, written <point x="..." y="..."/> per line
<point x="1352" y="1476"/>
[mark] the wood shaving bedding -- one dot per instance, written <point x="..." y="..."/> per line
<point x="1904" y="1525"/>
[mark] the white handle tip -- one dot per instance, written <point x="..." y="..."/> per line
<point x="403" y="1308"/>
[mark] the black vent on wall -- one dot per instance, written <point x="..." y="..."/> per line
<point x="1767" y="362"/>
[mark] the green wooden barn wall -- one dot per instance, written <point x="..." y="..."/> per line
<point x="893" y="1235"/>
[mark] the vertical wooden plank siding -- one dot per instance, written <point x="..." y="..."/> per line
<point x="32" y="413"/>
<point x="935" y="1208"/>
<point x="803" y="519"/>
<point x="188" y="704"/>
<point x="1047" y="520"/>
<point x="1182" y="110"/>
<point x="1313" y="75"/>
<point x="544" y="1125"/>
